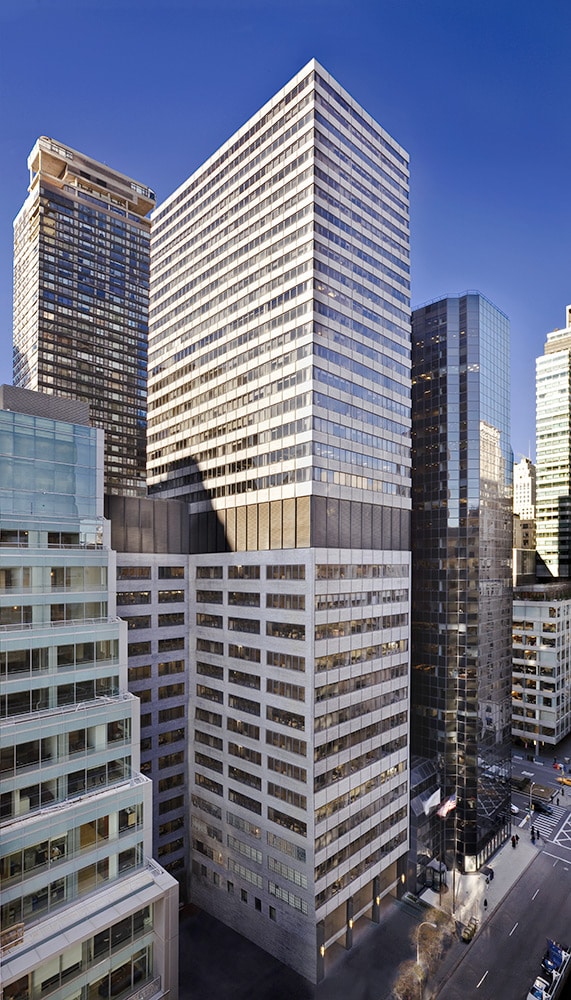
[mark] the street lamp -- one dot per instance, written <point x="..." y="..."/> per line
<point x="531" y="784"/>
<point x="425" y="923"/>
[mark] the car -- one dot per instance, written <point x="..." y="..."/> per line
<point x="564" y="781"/>
<point x="515" y="810"/>
<point x="543" y="807"/>
<point x="470" y="929"/>
<point x="539" y="990"/>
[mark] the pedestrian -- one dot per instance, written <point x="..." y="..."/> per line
<point x="516" y="839"/>
<point x="532" y="837"/>
<point x="537" y="836"/>
<point x="513" y="842"/>
<point x="485" y="904"/>
<point x="557" y="800"/>
<point x="533" y="831"/>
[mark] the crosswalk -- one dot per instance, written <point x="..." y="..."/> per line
<point x="547" y="824"/>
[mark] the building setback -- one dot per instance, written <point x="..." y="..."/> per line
<point x="85" y="911"/>
<point x="150" y="537"/>
<point x="553" y="447"/>
<point x="81" y="298"/>
<point x="279" y="409"/>
<point x="462" y="586"/>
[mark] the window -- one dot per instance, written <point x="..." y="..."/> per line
<point x="171" y="667"/>
<point x="209" y="597"/>
<point x="167" y="645"/>
<point x="133" y="572"/>
<point x="243" y="599"/>
<point x="209" y="572"/>
<point x="209" y="621"/>
<point x="246" y="680"/>
<point x="285" y="630"/>
<point x="283" y="690"/>
<point x="138" y="621"/>
<point x="171" y="596"/>
<point x="285" y="718"/>
<point x="133" y="597"/>
<point x="171" y="572"/>
<point x="243" y="572"/>
<point x="139" y="649"/>
<point x="285" y="572"/>
<point x="249" y="625"/>
<point x="166" y="621"/>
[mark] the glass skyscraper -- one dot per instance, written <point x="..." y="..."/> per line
<point x="462" y="582"/>
<point x="81" y="298"/>
<point x="279" y="408"/>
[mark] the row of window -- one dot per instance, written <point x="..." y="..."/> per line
<point x="145" y="572"/>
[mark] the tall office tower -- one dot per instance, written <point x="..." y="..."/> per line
<point x="553" y="447"/>
<point x="81" y="280"/>
<point x="279" y="404"/>
<point x="84" y="911"/>
<point x="524" y="489"/>
<point x="462" y="586"/>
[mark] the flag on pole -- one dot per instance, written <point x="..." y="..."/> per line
<point x="447" y="806"/>
<point x="431" y="801"/>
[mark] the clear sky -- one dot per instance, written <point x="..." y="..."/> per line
<point x="477" y="91"/>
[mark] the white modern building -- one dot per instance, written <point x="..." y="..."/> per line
<point x="541" y="689"/>
<point x="524" y="489"/>
<point x="85" y="912"/>
<point x="553" y="462"/>
<point x="279" y="409"/>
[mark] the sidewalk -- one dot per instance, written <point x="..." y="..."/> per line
<point x="471" y="890"/>
<point x="508" y="865"/>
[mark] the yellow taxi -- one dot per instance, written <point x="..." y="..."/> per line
<point x="564" y="781"/>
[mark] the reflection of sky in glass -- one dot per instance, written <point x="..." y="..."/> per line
<point x="48" y="468"/>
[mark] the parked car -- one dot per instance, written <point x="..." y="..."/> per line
<point x="539" y="990"/>
<point x="470" y="929"/>
<point x="542" y="807"/>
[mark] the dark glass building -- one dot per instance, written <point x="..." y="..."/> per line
<point x="81" y="298"/>
<point x="461" y="543"/>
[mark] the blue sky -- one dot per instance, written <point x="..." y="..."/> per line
<point x="478" y="92"/>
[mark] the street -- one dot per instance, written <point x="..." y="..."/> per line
<point x="505" y="957"/>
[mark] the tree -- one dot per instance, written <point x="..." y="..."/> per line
<point x="409" y="981"/>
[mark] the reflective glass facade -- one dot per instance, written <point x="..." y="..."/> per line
<point x="83" y="910"/>
<point x="81" y="286"/>
<point x="462" y="538"/>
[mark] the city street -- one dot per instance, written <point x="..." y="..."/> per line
<point x="505" y="956"/>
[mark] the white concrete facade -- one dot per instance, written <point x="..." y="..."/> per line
<point x="279" y="408"/>
<point x="541" y="694"/>
<point x="553" y="460"/>
<point x="524" y="489"/>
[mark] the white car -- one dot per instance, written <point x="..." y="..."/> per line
<point x="539" y="990"/>
<point x="515" y="810"/>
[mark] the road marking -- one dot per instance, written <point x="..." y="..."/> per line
<point x="517" y="922"/>
<point x="535" y="893"/>
<point x="482" y="979"/>
<point x="556" y="856"/>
